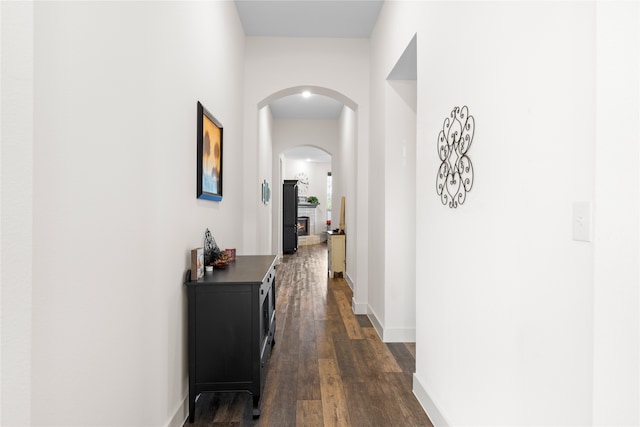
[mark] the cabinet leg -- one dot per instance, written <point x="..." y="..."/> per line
<point x="256" y="406"/>
<point x="192" y="396"/>
<point x="192" y="409"/>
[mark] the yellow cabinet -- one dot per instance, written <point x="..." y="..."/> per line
<point x="336" y="244"/>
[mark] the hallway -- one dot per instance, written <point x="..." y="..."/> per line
<point x="328" y="366"/>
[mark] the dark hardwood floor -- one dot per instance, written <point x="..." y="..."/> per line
<point x="328" y="366"/>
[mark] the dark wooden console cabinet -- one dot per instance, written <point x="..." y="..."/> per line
<point x="231" y="328"/>
<point x="290" y="216"/>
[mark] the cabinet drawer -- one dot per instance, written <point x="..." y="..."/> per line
<point x="267" y="283"/>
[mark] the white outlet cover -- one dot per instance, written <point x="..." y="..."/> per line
<point x="582" y="221"/>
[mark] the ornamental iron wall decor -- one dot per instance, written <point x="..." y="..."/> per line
<point x="455" y="174"/>
<point x="211" y="249"/>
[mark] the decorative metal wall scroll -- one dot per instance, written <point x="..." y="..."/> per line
<point x="455" y="174"/>
<point x="211" y="249"/>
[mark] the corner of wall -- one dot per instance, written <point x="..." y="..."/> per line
<point x="399" y="335"/>
<point x="386" y="334"/>
<point x="375" y="322"/>
<point x="181" y="415"/>
<point x="357" y="307"/>
<point x="349" y="281"/>
<point x="428" y="404"/>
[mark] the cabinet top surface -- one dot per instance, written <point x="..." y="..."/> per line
<point x="245" y="269"/>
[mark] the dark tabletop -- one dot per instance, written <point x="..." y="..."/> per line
<point x="245" y="269"/>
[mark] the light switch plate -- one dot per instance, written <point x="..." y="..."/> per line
<point x="582" y="221"/>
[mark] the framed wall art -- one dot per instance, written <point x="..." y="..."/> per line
<point x="266" y="192"/>
<point x="209" y="162"/>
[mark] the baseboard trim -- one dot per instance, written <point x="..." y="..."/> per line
<point x="349" y="281"/>
<point x="358" y="307"/>
<point x="428" y="404"/>
<point x="181" y="415"/>
<point x="389" y="334"/>
<point x="399" y="335"/>
<point x="375" y="322"/>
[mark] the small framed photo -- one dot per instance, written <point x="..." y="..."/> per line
<point x="197" y="264"/>
<point x="209" y="162"/>
<point x="266" y="192"/>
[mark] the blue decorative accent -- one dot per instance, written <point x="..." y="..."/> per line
<point x="206" y="196"/>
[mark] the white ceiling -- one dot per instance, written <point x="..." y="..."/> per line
<point x="308" y="18"/>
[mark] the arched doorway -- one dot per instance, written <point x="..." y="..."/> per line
<point x="348" y="168"/>
<point x="311" y="167"/>
<point x="323" y="120"/>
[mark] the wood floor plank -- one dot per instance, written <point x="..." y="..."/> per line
<point x="402" y="356"/>
<point x="231" y="410"/>
<point x="364" y="407"/>
<point x="349" y="362"/>
<point x="364" y="321"/>
<point x="308" y="372"/>
<point x="307" y="321"/>
<point x="351" y="324"/>
<point x="369" y="363"/>
<point x="381" y="351"/>
<point x="324" y="341"/>
<point x="406" y="406"/>
<point x="309" y="413"/>
<point x="334" y="405"/>
<point x="320" y="297"/>
<point x="285" y="352"/>
<point x="279" y="407"/>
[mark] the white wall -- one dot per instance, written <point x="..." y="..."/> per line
<point x="113" y="207"/>
<point x="505" y="298"/>
<point x="377" y="173"/>
<point x="392" y="262"/>
<point x="616" y="390"/>
<point x="400" y="212"/>
<point x="522" y="312"/>
<point x="264" y="212"/>
<point x="291" y="133"/>
<point x="16" y="213"/>
<point x="336" y="66"/>
<point x="345" y="175"/>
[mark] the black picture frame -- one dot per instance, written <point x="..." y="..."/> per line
<point x="209" y="152"/>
